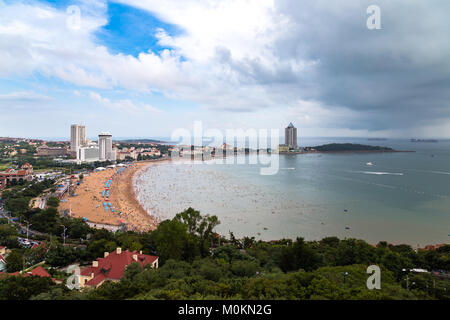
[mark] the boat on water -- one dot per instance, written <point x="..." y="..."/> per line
<point x="369" y="164"/>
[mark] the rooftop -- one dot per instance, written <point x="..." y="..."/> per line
<point x="113" y="265"/>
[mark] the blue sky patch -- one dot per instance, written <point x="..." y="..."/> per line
<point x="58" y="4"/>
<point x="132" y="31"/>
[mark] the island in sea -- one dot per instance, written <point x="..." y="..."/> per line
<point x="338" y="148"/>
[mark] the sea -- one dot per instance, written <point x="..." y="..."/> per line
<point x="402" y="198"/>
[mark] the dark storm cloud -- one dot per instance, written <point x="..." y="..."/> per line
<point x="398" y="76"/>
<point x="395" y="77"/>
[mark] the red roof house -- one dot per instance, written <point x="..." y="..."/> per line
<point x="113" y="265"/>
<point x="39" y="271"/>
<point x="10" y="175"/>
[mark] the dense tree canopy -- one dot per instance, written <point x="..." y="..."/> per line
<point x="194" y="266"/>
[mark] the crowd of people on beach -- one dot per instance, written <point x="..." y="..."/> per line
<point x="165" y="190"/>
<point x="138" y="219"/>
<point x="107" y="197"/>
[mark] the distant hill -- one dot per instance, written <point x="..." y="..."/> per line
<point x="350" y="147"/>
<point x="424" y="140"/>
<point x="143" y="141"/>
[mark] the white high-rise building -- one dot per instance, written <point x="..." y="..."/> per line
<point x="105" y="147"/>
<point x="77" y="137"/>
<point x="290" y="136"/>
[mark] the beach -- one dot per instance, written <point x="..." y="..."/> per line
<point x="401" y="197"/>
<point x="122" y="206"/>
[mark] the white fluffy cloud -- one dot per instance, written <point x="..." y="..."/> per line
<point x="124" y="105"/>
<point x="24" y="96"/>
<point x="37" y="38"/>
<point x="315" y="61"/>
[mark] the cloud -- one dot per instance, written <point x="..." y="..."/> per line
<point x="25" y="101"/>
<point x="24" y="96"/>
<point x="257" y="54"/>
<point x="123" y="105"/>
<point x="315" y="61"/>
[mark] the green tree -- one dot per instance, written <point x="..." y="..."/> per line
<point x="76" y="228"/>
<point x="53" y="202"/>
<point x="395" y="262"/>
<point x="96" y="249"/>
<point x="14" y="261"/>
<point x="129" y="241"/>
<point x="172" y="240"/>
<point x="7" y="231"/>
<point x="244" y="268"/>
<point x="23" y="288"/>
<point x="46" y="221"/>
<point x="199" y="226"/>
<point x="60" y="256"/>
<point x="300" y="255"/>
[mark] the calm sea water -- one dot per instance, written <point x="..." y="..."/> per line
<point x="402" y="198"/>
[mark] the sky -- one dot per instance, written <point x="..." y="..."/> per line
<point x="144" y="68"/>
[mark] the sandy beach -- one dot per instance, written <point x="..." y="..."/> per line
<point x="88" y="201"/>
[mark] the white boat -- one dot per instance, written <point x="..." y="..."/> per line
<point x="369" y="164"/>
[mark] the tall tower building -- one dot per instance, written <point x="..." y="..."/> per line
<point x="105" y="147"/>
<point x="290" y="136"/>
<point x="77" y="137"/>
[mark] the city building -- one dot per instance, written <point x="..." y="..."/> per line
<point x="3" y="254"/>
<point x="112" y="266"/>
<point x="25" y="173"/>
<point x="77" y="137"/>
<point x="2" y="263"/>
<point x="105" y="147"/>
<point x="290" y="136"/>
<point x="155" y="153"/>
<point x="283" y="148"/>
<point x="89" y="153"/>
<point x="123" y="155"/>
<point x="46" y="151"/>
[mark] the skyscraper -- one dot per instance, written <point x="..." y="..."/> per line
<point x="105" y="147"/>
<point x="290" y="136"/>
<point x="77" y="137"/>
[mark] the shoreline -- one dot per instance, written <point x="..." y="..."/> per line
<point x="341" y="236"/>
<point x="142" y="167"/>
<point x="347" y="151"/>
<point x="124" y="209"/>
<point x="125" y="200"/>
